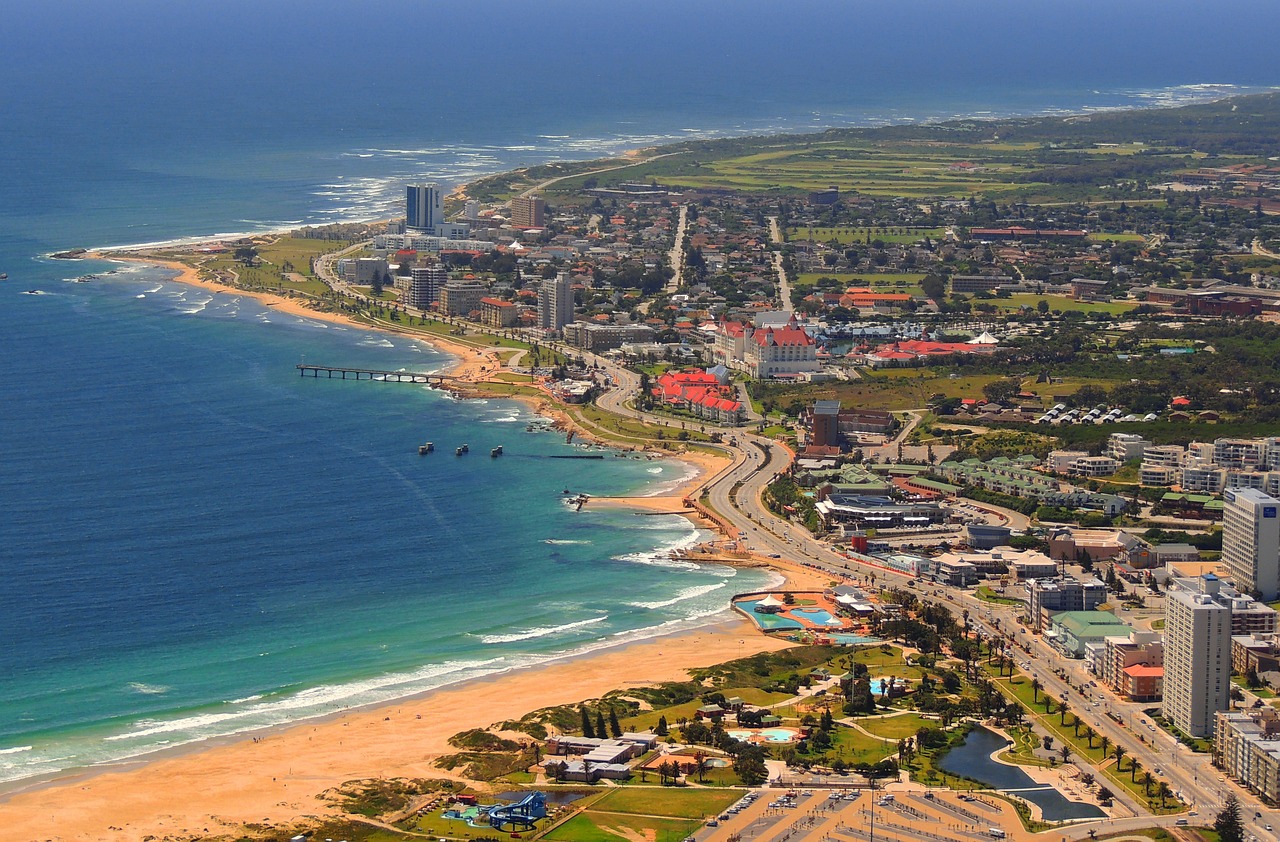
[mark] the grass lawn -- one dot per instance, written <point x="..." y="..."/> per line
<point x="854" y="747"/>
<point x="675" y="802"/>
<point x="898" y="727"/>
<point x="987" y="595"/>
<point x="591" y="826"/>
<point x="1063" y="303"/>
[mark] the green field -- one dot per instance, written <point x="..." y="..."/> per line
<point x="864" y="168"/>
<point x="591" y="826"/>
<point x="898" y="727"/>
<point x="672" y="802"/>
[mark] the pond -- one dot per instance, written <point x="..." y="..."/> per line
<point x="973" y="760"/>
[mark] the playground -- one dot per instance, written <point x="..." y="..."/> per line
<point x="518" y="816"/>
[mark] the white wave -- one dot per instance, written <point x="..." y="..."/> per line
<point x="559" y="541"/>
<point x="148" y="689"/>
<point x="540" y="631"/>
<point x="653" y="470"/>
<point x="377" y="343"/>
<point x="255" y="697"/>
<point x="685" y="594"/>
<point x="15" y="750"/>
<point x="506" y="419"/>
<point x="140" y="295"/>
<point x="312" y="701"/>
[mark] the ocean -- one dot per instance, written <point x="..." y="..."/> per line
<point x="196" y="542"/>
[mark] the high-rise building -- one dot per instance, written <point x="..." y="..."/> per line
<point x="1197" y="654"/>
<point x="528" y="212"/>
<point x="1251" y="541"/>
<point x="425" y="283"/>
<point x="555" y="302"/>
<point x="424" y="208"/>
<point x="461" y="298"/>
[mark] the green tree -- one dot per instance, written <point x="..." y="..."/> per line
<point x="615" y="730"/>
<point x="587" y="730"/>
<point x="602" y="730"/>
<point x="749" y="765"/>
<point x="663" y="728"/>
<point x="1228" y="824"/>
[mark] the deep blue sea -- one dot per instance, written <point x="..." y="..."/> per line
<point x="194" y="541"/>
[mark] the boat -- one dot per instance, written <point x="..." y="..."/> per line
<point x="4" y="276"/>
<point x="497" y="451"/>
<point x="424" y="449"/>
<point x="461" y="450"/>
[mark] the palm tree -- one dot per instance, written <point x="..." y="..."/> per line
<point x="1035" y="691"/>
<point x="1105" y="743"/>
<point x="1133" y="770"/>
<point x="1063" y="710"/>
<point x="1147" y="780"/>
<point x="1065" y="751"/>
<point x="1164" y="792"/>
<point x="1088" y="734"/>
<point x="1120" y="753"/>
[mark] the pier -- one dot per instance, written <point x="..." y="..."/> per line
<point x="308" y="370"/>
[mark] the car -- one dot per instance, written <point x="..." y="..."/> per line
<point x="1268" y="827"/>
<point x="713" y="823"/>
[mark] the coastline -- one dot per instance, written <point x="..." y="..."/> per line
<point x="237" y="773"/>
<point x="278" y="777"/>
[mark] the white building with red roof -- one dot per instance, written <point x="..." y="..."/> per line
<point x="773" y="350"/>
<point x="702" y="393"/>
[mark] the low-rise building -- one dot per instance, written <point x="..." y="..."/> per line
<point x="1259" y="652"/>
<point x="1067" y="593"/>
<point x="1071" y="632"/>
<point x="495" y="312"/>
<point x="1133" y="665"/>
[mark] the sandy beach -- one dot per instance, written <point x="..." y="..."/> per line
<point x="278" y="777"/>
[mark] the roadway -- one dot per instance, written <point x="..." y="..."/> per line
<point x="784" y="288"/>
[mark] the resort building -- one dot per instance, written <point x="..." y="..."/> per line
<point x="766" y="349"/>
<point x="1197" y="654"/>
<point x="706" y="394"/>
<point x="1251" y="541"/>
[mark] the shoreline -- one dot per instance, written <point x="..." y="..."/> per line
<point x="280" y="776"/>
<point x="135" y="778"/>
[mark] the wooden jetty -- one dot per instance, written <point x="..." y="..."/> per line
<point x="309" y="370"/>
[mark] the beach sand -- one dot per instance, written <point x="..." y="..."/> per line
<point x="278" y="777"/>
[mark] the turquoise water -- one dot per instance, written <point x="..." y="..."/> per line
<point x="818" y="616"/>
<point x="195" y="541"/>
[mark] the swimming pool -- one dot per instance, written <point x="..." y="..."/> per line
<point x="817" y="616"/>
<point x="766" y="735"/>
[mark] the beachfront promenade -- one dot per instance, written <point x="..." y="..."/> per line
<point x="307" y="370"/>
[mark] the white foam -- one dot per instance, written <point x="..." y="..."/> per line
<point x="15" y="750"/>
<point x="686" y="594"/>
<point x="564" y="541"/>
<point x="148" y="689"/>
<point x="540" y="631"/>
